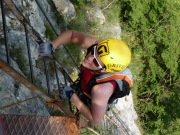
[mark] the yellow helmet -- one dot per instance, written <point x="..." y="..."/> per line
<point x="114" y="53"/>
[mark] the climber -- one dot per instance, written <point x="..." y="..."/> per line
<point x="107" y="56"/>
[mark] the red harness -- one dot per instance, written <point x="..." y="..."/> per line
<point x="85" y="78"/>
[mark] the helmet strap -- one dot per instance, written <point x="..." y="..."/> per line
<point x="97" y="71"/>
<point x="94" y="71"/>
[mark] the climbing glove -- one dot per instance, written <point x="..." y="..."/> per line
<point x="46" y="49"/>
<point x="67" y="92"/>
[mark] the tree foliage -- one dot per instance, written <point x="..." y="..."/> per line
<point x="152" y="30"/>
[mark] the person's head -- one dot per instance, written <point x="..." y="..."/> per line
<point x="111" y="55"/>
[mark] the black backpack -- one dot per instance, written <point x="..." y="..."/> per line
<point x="123" y="79"/>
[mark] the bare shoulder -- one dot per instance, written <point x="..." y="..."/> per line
<point x="104" y="89"/>
<point x="83" y="39"/>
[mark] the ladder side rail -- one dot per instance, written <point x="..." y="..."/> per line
<point x="31" y="31"/>
<point x="5" y="33"/>
<point x="55" y="31"/>
<point x="29" y="54"/>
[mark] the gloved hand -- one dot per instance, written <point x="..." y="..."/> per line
<point x="67" y="92"/>
<point x="45" y="49"/>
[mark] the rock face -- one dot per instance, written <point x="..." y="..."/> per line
<point x="12" y="92"/>
<point x="123" y="113"/>
<point x="66" y="8"/>
<point x="96" y="15"/>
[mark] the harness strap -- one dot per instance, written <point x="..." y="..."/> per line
<point x="108" y="77"/>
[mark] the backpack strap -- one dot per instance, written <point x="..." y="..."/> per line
<point x="123" y="79"/>
<point x="125" y="75"/>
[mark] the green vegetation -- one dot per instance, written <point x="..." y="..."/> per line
<point x="57" y="16"/>
<point x="91" y="26"/>
<point x="0" y="89"/>
<point x="97" y="129"/>
<point x="49" y="32"/>
<point x="17" y="53"/>
<point x="151" y="28"/>
<point x="1" y="40"/>
<point x="63" y="56"/>
<point x="16" y="89"/>
<point x="57" y="113"/>
<point x="38" y="83"/>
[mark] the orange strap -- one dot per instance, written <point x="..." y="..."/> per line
<point x="114" y="77"/>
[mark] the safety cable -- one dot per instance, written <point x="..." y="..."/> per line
<point x="124" y="127"/>
<point x="19" y="102"/>
<point x="28" y="28"/>
<point x="5" y="33"/>
<point x="15" y="74"/>
<point x="29" y="54"/>
<point x="39" y="4"/>
<point x="58" y="83"/>
<point x="37" y="37"/>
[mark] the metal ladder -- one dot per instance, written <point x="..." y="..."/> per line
<point x="15" y="124"/>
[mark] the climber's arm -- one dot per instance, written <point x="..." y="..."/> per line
<point x="79" y="38"/>
<point x="99" y="98"/>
